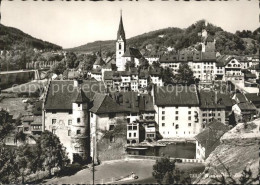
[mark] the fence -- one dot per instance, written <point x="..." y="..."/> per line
<point x="183" y="160"/>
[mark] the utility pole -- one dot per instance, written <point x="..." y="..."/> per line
<point x="93" y="160"/>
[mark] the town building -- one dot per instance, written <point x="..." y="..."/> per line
<point x="177" y="111"/>
<point x="120" y="46"/>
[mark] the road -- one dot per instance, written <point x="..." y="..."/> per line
<point x="109" y="171"/>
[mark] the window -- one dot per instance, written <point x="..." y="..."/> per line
<point x="163" y="117"/>
<point x="69" y="122"/>
<point x="69" y="132"/>
<point x="176" y="117"/>
<point x="189" y="107"/>
<point x="163" y="112"/>
<point x="54" y="112"/>
<point x="189" y="112"/>
<point x="176" y="126"/>
<point x="54" y="121"/>
<point x="70" y="112"/>
<point x="177" y="107"/>
<point x="134" y="127"/>
<point x="91" y="114"/>
<point x="189" y="124"/>
<point x="172" y="124"/>
<point x="120" y="47"/>
<point x="176" y="112"/>
<point x="54" y="131"/>
<point x="130" y="128"/>
<point x="218" y="114"/>
<point x="78" y="120"/>
<point x="111" y="127"/>
<point x="78" y="132"/>
<point x="163" y="124"/>
<point x="78" y="104"/>
<point x="134" y="134"/>
<point x="163" y="107"/>
<point x="130" y="134"/>
<point x="189" y="117"/>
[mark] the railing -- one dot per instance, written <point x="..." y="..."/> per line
<point x="183" y="160"/>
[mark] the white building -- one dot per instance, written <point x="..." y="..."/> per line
<point x="120" y="46"/>
<point x="177" y="111"/>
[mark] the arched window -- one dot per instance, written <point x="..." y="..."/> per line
<point x="120" y="46"/>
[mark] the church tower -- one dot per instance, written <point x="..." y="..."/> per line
<point x="120" y="45"/>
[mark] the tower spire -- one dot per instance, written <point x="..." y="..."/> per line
<point x="121" y="31"/>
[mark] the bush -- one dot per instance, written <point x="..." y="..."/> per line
<point x="71" y="169"/>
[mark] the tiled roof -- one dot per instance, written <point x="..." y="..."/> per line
<point x="254" y="97"/>
<point x="208" y="56"/>
<point x="246" y="106"/>
<point x="81" y="97"/>
<point x="134" y="103"/>
<point x="132" y="52"/>
<point x="108" y="75"/>
<point x="241" y="97"/>
<point x="104" y="104"/>
<point x="99" y="61"/>
<point x="209" y="138"/>
<point x="61" y="94"/>
<point x="169" y="59"/>
<point x="208" y="99"/>
<point x="176" y="96"/>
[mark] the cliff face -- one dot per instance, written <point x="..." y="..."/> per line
<point x="239" y="148"/>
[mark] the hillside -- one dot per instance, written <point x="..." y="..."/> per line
<point x="226" y="43"/>
<point x="239" y="148"/>
<point x="12" y="38"/>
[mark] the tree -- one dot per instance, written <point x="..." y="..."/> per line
<point x="167" y="75"/>
<point x="156" y="64"/>
<point x="168" y="178"/>
<point x="161" y="167"/>
<point x="144" y="64"/>
<point x="129" y="64"/>
<point x="70" y="59"/>
<point x="51" y="151"/>
<point x="185" y="74"/>
<point x="58" y="68"/>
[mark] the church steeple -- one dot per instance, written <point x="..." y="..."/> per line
<point x="120" y="46"/>
<point x="121" y="31"/>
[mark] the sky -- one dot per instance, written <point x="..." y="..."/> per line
<point x="74" y="23"/>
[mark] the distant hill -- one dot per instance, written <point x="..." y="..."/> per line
<point x="12" y="38"/>
<point x="226" y="43"/>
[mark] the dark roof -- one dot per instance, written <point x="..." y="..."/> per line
<point x="169" y="59"/>
<point x="246" y="106"/>
<point x="104" y="104"/>
<point x="254" y="97"/>
<point x="121" y="31"/>
<point x="81" y="97"/>
<point x="62" y="93"/>
<point x="144" y="75"/>
<point x="209" y="138"/>
<point x="212" y="99"/>
<point x="37" y="109"/>
<point x="208" y="56"/>
<point x="176" y="96"/>
<point x="241" y="98"/>
<point x="133" y="102"/>
<point x="99" y="61"/>
<point x="132" y="52"/>
<point x="108" y="75"/>
<point x="250" y="75"/>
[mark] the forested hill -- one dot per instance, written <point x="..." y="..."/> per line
<point x="242" y="42"/>
<point x="12" y="38"/>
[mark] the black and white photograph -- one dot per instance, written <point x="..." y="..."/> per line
<point x="129" y="92"/>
